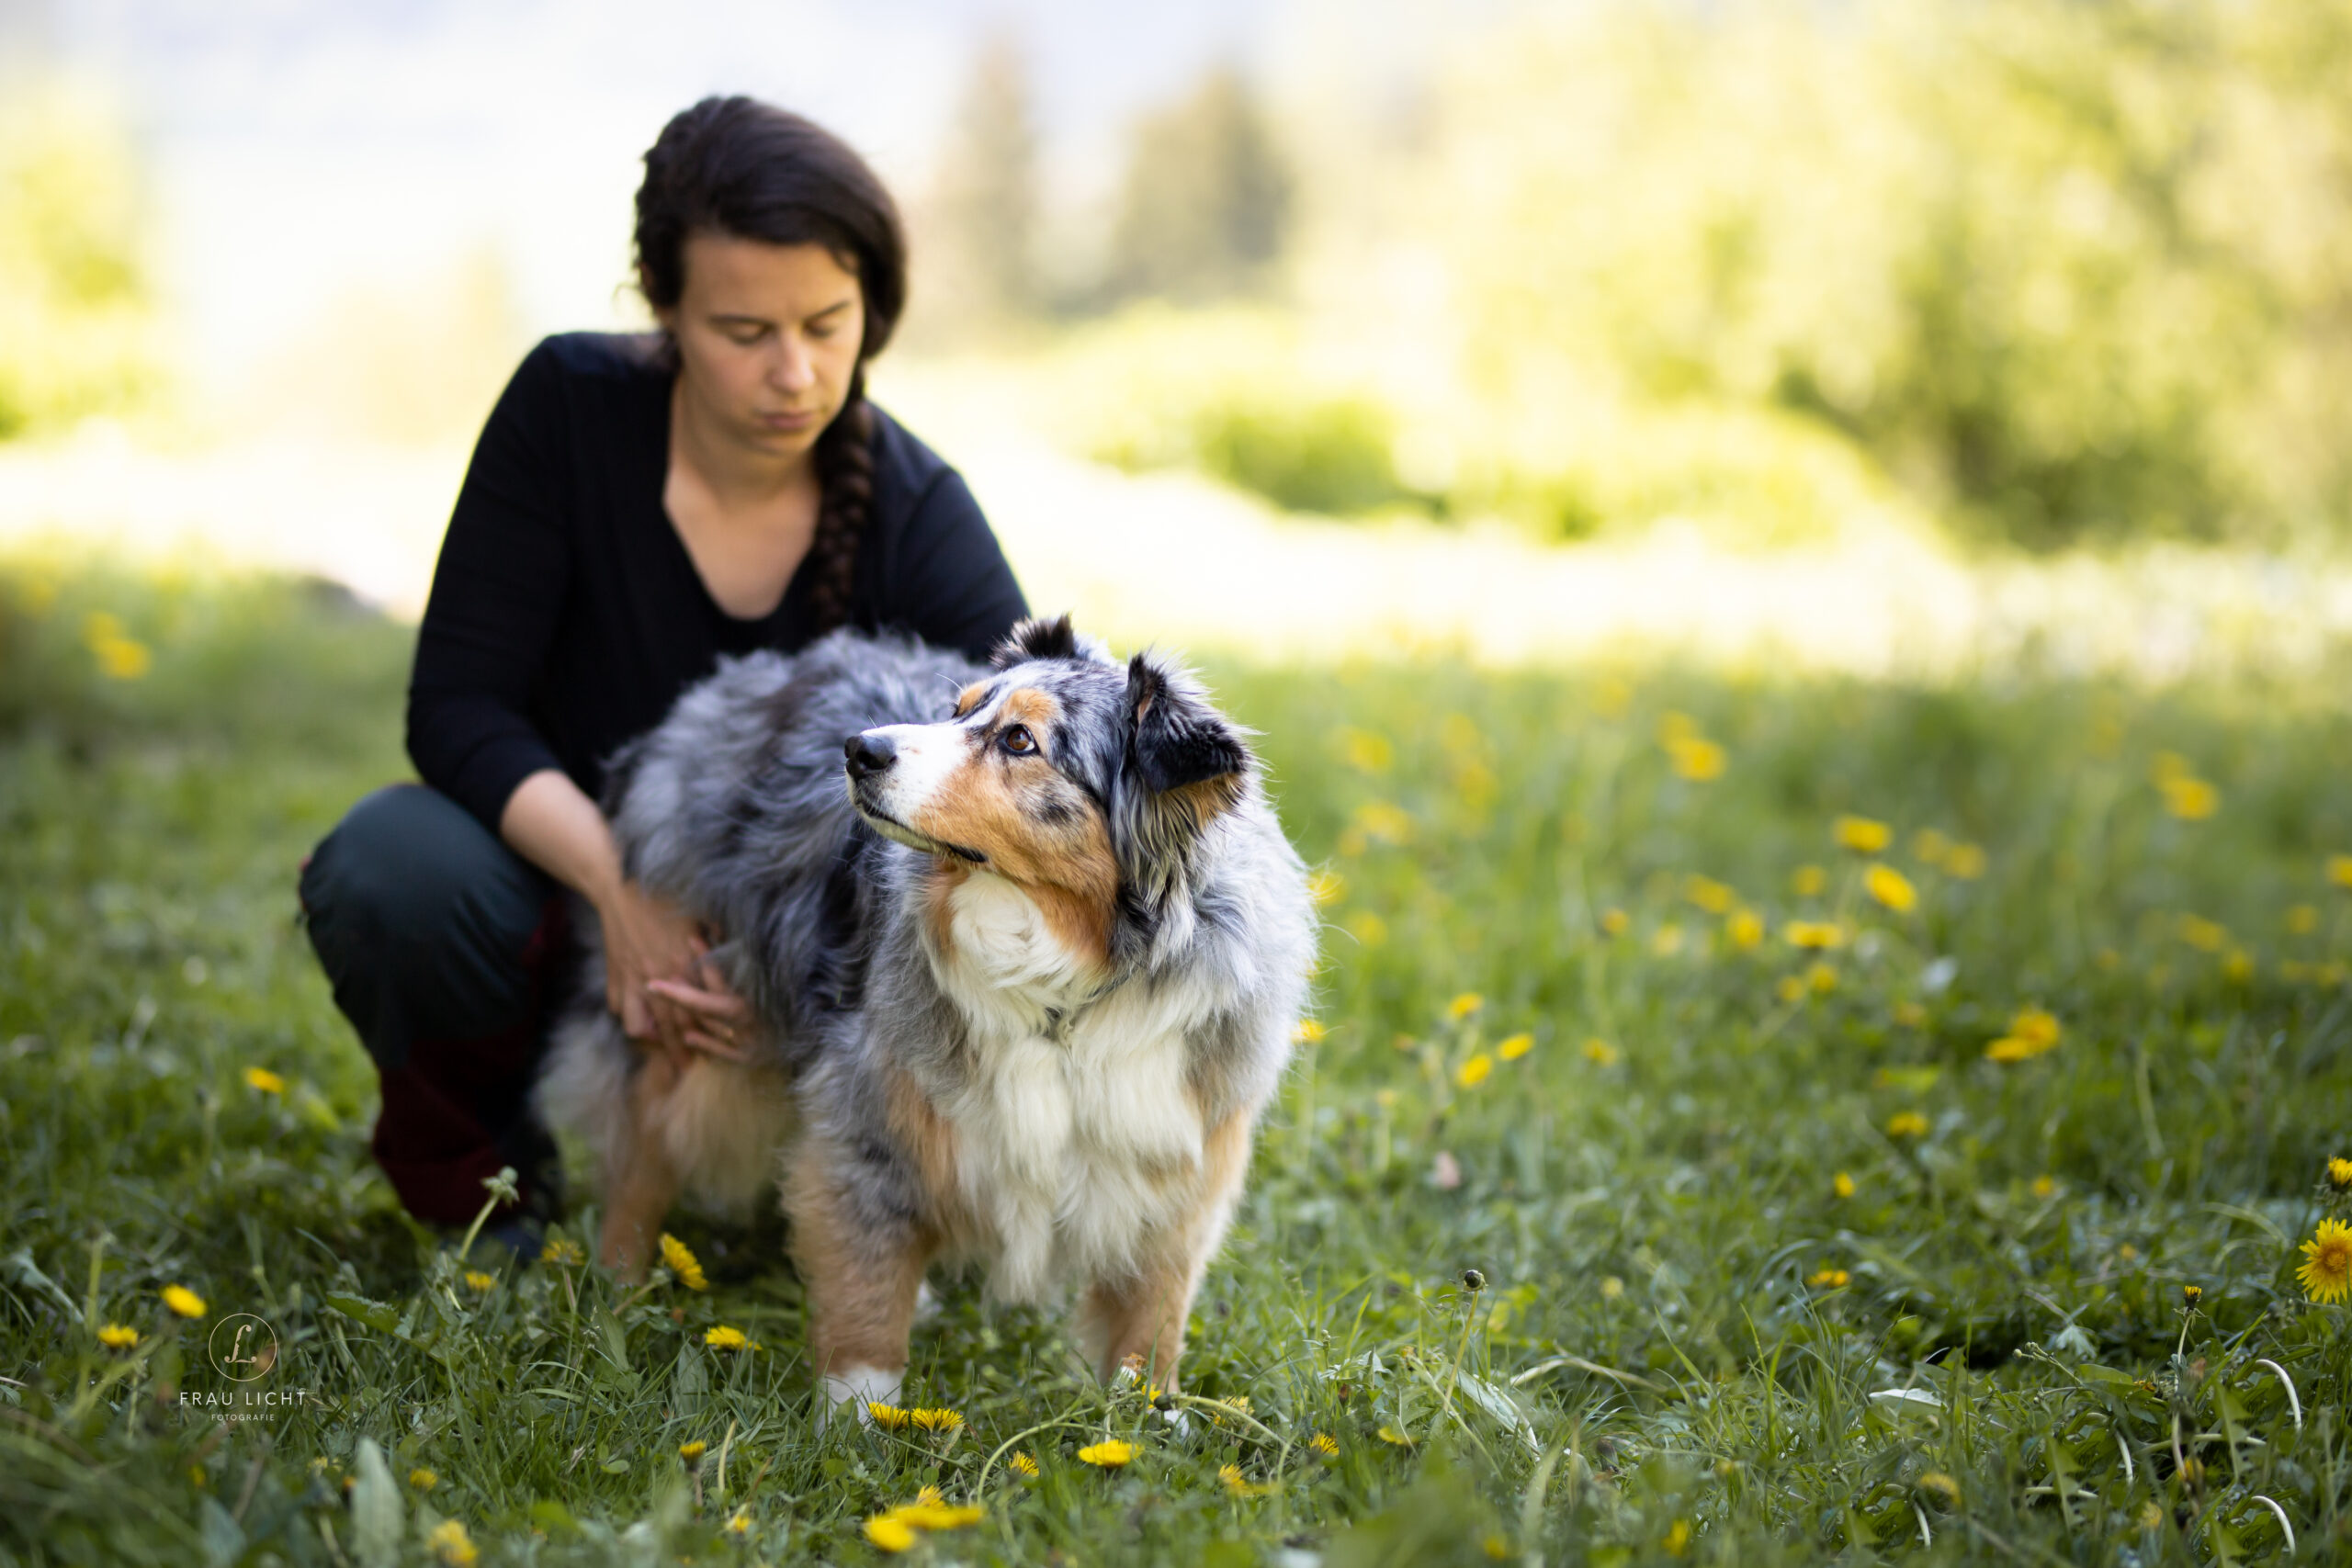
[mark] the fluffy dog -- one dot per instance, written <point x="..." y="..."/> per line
<point x="1025" y="961"/>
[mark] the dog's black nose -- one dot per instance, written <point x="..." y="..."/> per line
<point x="868" y="753"/>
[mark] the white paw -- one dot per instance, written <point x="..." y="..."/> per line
<point x="858" y="1385"/>
<point x="1179" y="1419"/>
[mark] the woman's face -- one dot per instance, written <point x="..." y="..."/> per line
<point x="767" y="339"/>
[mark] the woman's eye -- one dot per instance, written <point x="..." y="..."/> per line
<point x="1019" y="741"/>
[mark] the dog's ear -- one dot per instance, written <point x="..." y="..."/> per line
<point x="1173" y="736"/>
<point x="1036" y="637"/>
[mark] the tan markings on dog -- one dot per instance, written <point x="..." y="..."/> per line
<point x="969" y="697"/>
<point x="992" y="803"/>
<point x="1143" y="1315"/>
<point x="862" y="1287"/>
<point x="1209" y="799"/>
<point x="641" y="1182"/>
<point x="928" y="1139"/>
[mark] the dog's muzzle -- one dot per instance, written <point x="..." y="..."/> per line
<point x="869" y="754"/>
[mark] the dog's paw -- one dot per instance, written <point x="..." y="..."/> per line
<point x="1181" y="1420"/>
<point x="859" y="1387"/>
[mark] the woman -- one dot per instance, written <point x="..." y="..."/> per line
<point x="637" y="507"/>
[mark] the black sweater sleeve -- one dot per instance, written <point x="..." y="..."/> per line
<point x="483" y="646"/>
<point x="951" y="585"/>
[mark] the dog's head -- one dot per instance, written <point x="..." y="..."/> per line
<point x="1063" y="771"/>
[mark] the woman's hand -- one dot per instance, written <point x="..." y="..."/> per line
<point x="716" y="1020"/>
<point x="647" y="941"/>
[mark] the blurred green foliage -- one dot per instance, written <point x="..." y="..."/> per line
<point x="74" y="326"/>
<point x="2055" y="273"/>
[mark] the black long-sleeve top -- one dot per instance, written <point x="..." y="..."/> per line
<point x="566" y="615"/>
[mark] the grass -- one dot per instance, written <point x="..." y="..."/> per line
<point x="1546" y="1240"/>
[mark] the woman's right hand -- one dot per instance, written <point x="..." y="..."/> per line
<point x="646" y="939"/>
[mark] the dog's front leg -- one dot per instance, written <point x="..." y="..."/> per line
<point x="862" y="1262"/>
<point x="641" y="1182"/>
<point x="1137" y="1319"/>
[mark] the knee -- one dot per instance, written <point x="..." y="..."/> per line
<point x="398" y="867"/>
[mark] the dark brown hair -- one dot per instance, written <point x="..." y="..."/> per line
<point x="741" y="168"/>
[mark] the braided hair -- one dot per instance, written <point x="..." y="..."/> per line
<point x="741" y="168"/>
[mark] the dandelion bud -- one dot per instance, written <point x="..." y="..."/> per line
<point x="1472" y="1280"/>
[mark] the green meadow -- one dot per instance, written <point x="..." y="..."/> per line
<point x="1681" y="1172"/>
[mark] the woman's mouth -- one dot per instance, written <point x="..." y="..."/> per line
<point x="798" y="420"/>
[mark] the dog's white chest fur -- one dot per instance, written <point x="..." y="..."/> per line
<point x="1077" y="1137"/>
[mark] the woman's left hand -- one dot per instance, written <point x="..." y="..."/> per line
<point x="720" y="1021"/>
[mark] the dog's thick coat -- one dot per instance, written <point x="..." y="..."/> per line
<point x="1025" y="971"/>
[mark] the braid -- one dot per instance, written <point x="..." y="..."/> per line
<point x="845" y="464"/>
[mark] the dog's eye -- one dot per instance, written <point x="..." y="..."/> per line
<point x="1018" y="740"/>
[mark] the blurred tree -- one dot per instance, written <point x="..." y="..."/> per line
<point x="984" y="206"/>
<point x="1206" y="204"/>
<point x="75" y="325"/>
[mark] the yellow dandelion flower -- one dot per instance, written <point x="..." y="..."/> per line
<point x="1383" y="823"/>
<point x="1666" y="941"/>
<point x="694" y="1450"/>
<point x="1815" y="934"/>
<point x="1612" y="1288"/>
<point x="1715" y="897"/>
<point x="1964" y="862"/>
<point x="2009" y="1051"/>
<point x="1239" y="1485"/>
<point x="477" y="1281"/>
<point x="1807" y="880"/>
<point x="2326" y="1269"/>
<point x="1394" y="1437"/>
<point x="2191" y="1294"/>
<point x="117" y="1336"/>
<point x="423" y="1479"/>
<point x="1327" y="888"/>
<point x="2302" y="919"/>
<point x="889" y="1417"/>
<point x="1842" y="1185"/>
<point x="1368" y="928"/>
<point x="683" y="1263"/>
<point x="2237" y="966"/>
<point x="1937" y="1483"/>
<point x="1463" y="1005"/>
<point x="1826" y="1279"/>
<point x="738" y="1523"/>
<point x="890" y="1533"/>
<point x="1022" y="1465"/>
<point x="1745" y="928"/>
<point x="1513" y="1046"/>
<point x="1863" y="835"/>
<point x="265" y="1080"/>
<point x="1366" y="751"/>
<point x="2045" y="1186"/>
<point x="2339" y="1175"/>
<point x="1600" y="1053"/>
<point x="1791" y="989"/>
<point x="719" y="1336"/>
<point x="2339" y="870"/>
<point x="1324" y="1444"/>
<point x="1494" y="1546"/>
<point x="562" y="1252"/>
<point x="451" y="1543"/>
<point x="1614" y="921"/>
<point x="1308" y="1032"/>
<point x="1473" y="1073"/>
<point x="1890" y="887"/>
<point x="936" y="1420"/>
<point x="1907" y="1124"/>
<point x="1821" y="978"/>
<point x="182" y="1301"/>
<point x="2206" y="936"/>
<point x="120" y="657"/>
<point x="2189" y="798"/>
<point x="2035" y="1025"/>
<point x="1109" y="1454"/>
<point x="929" y="1511"/>
<point x="1695" y="758"/>
<point x="1929" y="847"/>
<point x="1677" y="1539"/>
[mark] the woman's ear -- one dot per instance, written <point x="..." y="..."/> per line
<point x="1174" y="738"/>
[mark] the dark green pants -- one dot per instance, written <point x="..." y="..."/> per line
<point x="448" y="953"/>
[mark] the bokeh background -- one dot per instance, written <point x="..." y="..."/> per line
<point x="1901" y="339"/>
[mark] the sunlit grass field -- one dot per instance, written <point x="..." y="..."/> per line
<point x="1677" y="1171"/>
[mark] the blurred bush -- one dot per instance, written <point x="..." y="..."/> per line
<point x="2068" y="271"/>
<point x="74" y="324"/>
